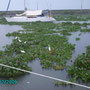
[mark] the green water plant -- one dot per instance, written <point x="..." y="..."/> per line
<point x="85" y="30"/>
<point x="77" y="39"/>
<point x="72" y="17"/>
<point x="57" y="83"/>
<point x="29" y="46"/>
<point x="81" y="67"/>
<point x="79" y="34"/>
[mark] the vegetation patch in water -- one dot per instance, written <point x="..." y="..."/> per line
<point x="52" y="50"/>
<point x="72" y="17"/>
<point x="79" y="34"/>
<point x="69" y="27"/>
<point x="57" y="83"/>
<point x="81" y="67"/>
<point x="77" y="39"/>
<point x="85" y="30"/>
<point x="65" y="32"/>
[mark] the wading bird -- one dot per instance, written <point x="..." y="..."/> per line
<point x="22" y="51"/>
<point x="19" y="40"/>
<point x="25" y="42"/>
<point x="49" y="48"/>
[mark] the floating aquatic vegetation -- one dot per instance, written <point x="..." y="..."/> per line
<point x="58" y="51"/>
<point x="65" y="32"/>
<point x="14" y="62"/>
<point x="72" y="17"/>
<point x="69" y="27"/>
<point x="57" y="83"/>
<point x="81" y="67"/>
<point x="79" y="34"/>
<point x="2" y="54"/>
<point x="77" y="24"/>
<point x="77" y="39"/>
<point x="85" y="24"/>
<point x="15" y="34"/>
<point x="66" y="23"/>
<point x="52" y="50"/>
<point x="85" y="30"/>
<point x="59" y="67"/>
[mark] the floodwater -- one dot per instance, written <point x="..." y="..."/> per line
<point x="80" y="46"/>
<point x="4" y="29"/>
<point x="33" y="82"/>
<point x="88" y="27"/>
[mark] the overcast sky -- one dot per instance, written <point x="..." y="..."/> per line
<point x="44" y="4"/>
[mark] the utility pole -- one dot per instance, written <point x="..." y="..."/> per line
<point x="81" y="5"/>
<point x="25" y="5"/>
<point x="8" y="6"/>
<point x="37" y="5"/>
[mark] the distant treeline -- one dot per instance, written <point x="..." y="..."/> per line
<point x="54" y="12"/>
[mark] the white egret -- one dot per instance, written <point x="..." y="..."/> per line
<point x="22" y="51"/>
<point x="16" y="37"/>
<point x="49" y="48"/>
<point x="19" y="40"/>
<point x="25" y="42"/>
<point x="20" y="32"/>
